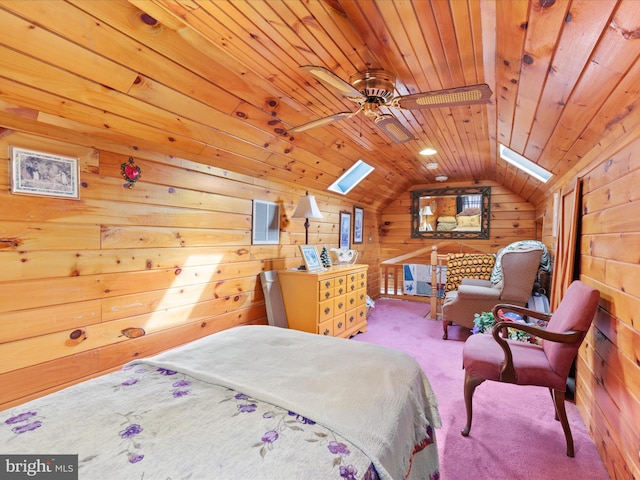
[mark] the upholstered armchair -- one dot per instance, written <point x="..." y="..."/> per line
<point x="518" y="267"/>
<point x="492" y="357"/>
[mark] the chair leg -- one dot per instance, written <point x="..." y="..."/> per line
<point x="554" y="404"/>
<point x="445" y="327"/>
<point x="470" y="384"/>
<point x="561" y="414"/>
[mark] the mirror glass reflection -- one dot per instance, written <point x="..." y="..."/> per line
<point x="451" y="212"/>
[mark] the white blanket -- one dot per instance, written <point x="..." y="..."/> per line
<point x="380" y="400"/>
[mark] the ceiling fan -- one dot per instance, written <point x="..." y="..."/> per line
<point x="374" y="88"/>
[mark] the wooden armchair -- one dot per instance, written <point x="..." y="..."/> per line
<point x="491" y="357"/>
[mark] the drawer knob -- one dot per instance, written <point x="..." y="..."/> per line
<point x="340" y="291"/>
<point x="351" y="319"/>
<point x="327" y="294"/>
<point x="326" y="332"/>
<point x="340" y="305"/>
<point x="339" y="324"/>
<point x="351" y="300"/>
<point x="327" y="284"/>
<point x="327" y="311"/>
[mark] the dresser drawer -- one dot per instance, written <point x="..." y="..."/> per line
<point x="351" y="318"/>
<point x="325" y="310"/>
<point x="339" y="324"/>
<point x="326" y="294"/>
<point x="326" y="328"/>
<point x="361" y="296"/>
<point x="352" y="301"/>
<point x="340" y="289"/>
<point x="326" y="284"/>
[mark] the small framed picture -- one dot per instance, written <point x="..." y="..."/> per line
<point x="46" y="174"/>
<point x="345" y="229"/>
<point x="358" y="224"/>
<point x="311" y="258"/>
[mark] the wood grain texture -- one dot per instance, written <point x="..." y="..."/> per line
<point x="203" y="94"/>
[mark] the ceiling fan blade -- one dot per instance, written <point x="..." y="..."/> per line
<point x="330" y="79"/>
<point x="449" y="97"/>
<point x="322" y="121"/>
<point x="394" y="129"/>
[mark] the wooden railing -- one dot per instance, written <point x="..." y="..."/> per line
<point x="392" y="278"/>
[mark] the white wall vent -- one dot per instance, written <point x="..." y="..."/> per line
<point x="266" y="223"/>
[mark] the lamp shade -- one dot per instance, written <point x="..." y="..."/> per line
<point x="427" y="210"/>
<point x="307" y="208"/>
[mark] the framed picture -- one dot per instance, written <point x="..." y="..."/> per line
<point x="358" y="224"/>
<point x="311" y="258"/>
<point x="46" y="174"/>
<point x="345" y="229"/>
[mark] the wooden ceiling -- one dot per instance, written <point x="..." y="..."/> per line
<point x="219" y="82"/>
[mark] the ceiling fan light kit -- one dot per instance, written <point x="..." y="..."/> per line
<point x="373" y="88"/>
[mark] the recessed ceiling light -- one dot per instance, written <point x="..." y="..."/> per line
<point x="442" y="178"/>
<point x="432" y="166"/>
<point x="428" y="151"/>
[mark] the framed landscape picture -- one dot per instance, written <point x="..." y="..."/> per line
<point x="345" y="230"/>
<point x="358" y="224"/>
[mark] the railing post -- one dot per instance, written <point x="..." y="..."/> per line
<point x="434" y="283"/>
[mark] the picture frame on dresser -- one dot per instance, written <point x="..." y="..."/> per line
<point x="311" y="258"/>
<point x="345" y="230"/>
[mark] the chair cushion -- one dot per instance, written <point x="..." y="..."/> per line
<point x="575" y="312"/>
<point x="483" y="357"/>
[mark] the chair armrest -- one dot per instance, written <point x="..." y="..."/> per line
<point x="527" y="312"/>
<point x="508" y="372"/>
<point x="472" y="292"/>
<point x="476" y="282"/>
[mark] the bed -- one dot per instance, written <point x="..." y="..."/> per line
<point x="251" y="402"/>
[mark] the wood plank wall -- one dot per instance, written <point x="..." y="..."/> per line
<point x="608" y="366"/>
<point x="172" y="255"/>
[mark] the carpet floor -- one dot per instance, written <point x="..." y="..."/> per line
<point x="514" y="434"/>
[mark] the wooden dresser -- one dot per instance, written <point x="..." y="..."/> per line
<point x="332" y="302"/>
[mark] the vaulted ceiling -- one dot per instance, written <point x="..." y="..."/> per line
<point x="219" y="82"/>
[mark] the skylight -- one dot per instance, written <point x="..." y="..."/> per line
<point x="351" y="177"/>
<point x="524" y="164"/>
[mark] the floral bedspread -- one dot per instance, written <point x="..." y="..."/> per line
<point x="153" y="423"/>
<point x="149" y="422"/>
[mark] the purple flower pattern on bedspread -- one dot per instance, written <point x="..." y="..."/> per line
<point x="24" y="422"/>
<point x="136" y="428"/>
<point x="282" y="422"/>
<point x="131" y="433"/>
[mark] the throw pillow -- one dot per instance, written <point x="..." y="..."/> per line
<point x="466" y="265"/>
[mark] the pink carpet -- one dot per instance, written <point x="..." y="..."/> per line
<point x="514" y="434"/>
